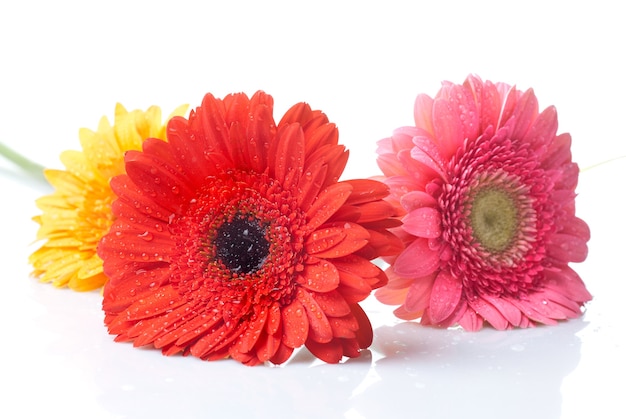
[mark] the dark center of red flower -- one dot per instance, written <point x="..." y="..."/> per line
<point x="241" y="245"/>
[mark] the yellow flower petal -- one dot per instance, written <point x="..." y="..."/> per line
<point x="78" y="213"/>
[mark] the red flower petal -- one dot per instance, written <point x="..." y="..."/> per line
<point x="211" y="343"/>
<point x="165" y="299"/>
<point x="267" y="346"/>
<point x="337" y="239"/>
<point x="319" y="328"/>
<point x="273" y="323"/>
<point x="311" y="182"/>
<point x="334" y="157"/>
<point x="365" y="334"/>
<point x="321" y="276"/>
<point x="345" y="326"/>
<point x="327" y="203"/>
<point x="287" y="155"/>
<point x="260" y="134"/>
<point x="330" y="352"/>
<point x="253" y="331"/>
<point x="166" y="189"/>
<point x="332" y="303"/>
<point x="365" y="191"/>
<point x="353" y="287"/>
<point x="295" y="324"/>
<point x="282" y="354"/>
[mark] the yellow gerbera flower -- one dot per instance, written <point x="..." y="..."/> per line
<point x="78" y="213"/>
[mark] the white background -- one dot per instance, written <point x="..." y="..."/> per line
<point x="65" y="64"/>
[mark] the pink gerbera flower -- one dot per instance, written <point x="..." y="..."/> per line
<point x="487" y="187"/>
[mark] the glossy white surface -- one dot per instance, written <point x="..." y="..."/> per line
<point x="363" y="65"/>
<point x="57" y="358"/>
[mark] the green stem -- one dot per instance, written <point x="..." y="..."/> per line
<point x="593" y="166"/>
<point x="29" y="166"/>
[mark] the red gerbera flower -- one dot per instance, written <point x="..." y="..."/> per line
<point x="490" y="228"/>
<point x="235" y="238"/>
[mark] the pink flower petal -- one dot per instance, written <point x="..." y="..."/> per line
<point x="543" y="128"/>
<point x="471" y="321"/>
<point x="568" y="283"/>
<point x="577" y="227"/>
<point x="567" y="248"/>
<point x="506" y="309"/>
<point x="417" y="199"/>
<point x="428" y="153"/>
<point x="569" y="308"/>
<point x="445" y="296"/>
<point x="490" y="313"/>
<point x="423" y="222"/>
<point x="535" y="308"/>
<point x="490" y="106"/>
<point x="417" y="260"/>
<point x="418" y="297"/>
<point x="559" y="152"/>
<point x="448" y="127"/>
<point x="391" y="296"/>
<point x="423" y="113"/>
<point x="524" y="114"/>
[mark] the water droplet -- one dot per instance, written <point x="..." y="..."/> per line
<point x="146" y="235"/>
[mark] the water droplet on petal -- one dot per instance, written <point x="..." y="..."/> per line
<point x="146" y="235"/>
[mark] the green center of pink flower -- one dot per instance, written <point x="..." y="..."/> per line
<point x="494" y="219"/>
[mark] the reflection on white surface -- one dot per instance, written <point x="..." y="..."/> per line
<point x="60" y="360"/>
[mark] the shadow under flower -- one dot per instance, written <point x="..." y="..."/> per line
<point x="143" y="383"/>
<point x="451" y="373"/>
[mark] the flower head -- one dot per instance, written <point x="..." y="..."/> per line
<point x="235" y="238"/>
<point x="487" y="187"/>
<point x="78" y="213"/>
